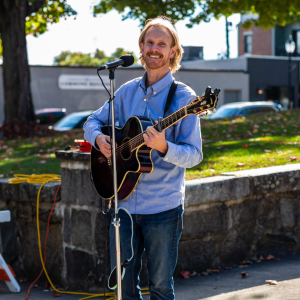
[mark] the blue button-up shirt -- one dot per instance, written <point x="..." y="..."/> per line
<point x="164" y="188"/>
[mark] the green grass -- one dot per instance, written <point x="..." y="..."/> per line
<point x="256" y="141"/>
<point x="34" y="155"/>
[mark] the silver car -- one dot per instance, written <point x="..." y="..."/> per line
<point x="236" y="109"/>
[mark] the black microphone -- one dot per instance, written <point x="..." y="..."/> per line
<point x="124" y="61"/>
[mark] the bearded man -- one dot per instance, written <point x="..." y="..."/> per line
<point x="156" y="204"/>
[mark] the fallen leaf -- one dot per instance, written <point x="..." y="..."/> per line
<point x="185" y="274"/>
<point x="293" y="158"/>
<point x="240" y="164"/>
<point x="245" y="146"/>
<point x="244" y="274"/>
<point x="268" y="151"/>
<point x="54" y="294"/>
<point x="228" y="268"/>
<point x="271" y="282"/>
<point x="211" y="170"/>
<point x="204" y="274"/>
<point x="41" y="161"/>
<point x="278" y="143"/>
<point x="270" y="257"/>
<point x="193" y="274"/>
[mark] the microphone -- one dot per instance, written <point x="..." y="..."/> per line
<point x="124" y="61"/>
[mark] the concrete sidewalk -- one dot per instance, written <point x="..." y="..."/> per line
<point x="228" y="285"/>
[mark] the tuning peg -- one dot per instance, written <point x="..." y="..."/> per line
<point x="206" y="113"/>
<point x="213" y="111"/>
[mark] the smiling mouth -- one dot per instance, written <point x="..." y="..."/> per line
<point x="154" y="56"/>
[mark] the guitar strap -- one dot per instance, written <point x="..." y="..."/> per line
<point x="170" y="96"/>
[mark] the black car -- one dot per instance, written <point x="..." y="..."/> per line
<point x="49" y="116"/>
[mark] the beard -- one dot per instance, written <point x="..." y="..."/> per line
<point x="155" y="63"/>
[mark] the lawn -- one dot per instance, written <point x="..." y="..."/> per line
<point x="228" y="145"/>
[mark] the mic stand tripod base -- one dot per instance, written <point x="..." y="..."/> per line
<point x="116" y="222"/>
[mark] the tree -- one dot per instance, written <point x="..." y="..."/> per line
<point x="67" y="58"/>
<point x="18" y="18"/>
<point x="271" y="13"/>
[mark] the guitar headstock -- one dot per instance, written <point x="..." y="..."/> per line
<point x="202" y="104"/>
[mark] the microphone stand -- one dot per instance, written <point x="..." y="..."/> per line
<point x="116" y="221"/>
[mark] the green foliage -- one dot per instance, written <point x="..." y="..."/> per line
<point x="271" y="13"/>
<point x="119" y="52"/>
<point x="100" y="54"/>
<point x="67" y="58"/>
<point x="143" y="10"/>
<point x="50" y="13"/>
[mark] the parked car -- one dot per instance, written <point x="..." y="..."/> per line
<point x="236" y="109"/>
<point x="72" y="121"/>
<point x="49" y="116"/>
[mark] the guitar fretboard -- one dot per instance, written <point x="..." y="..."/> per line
<point x="165" y="124"/>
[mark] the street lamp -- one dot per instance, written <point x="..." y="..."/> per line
<point x="290" y="48"/>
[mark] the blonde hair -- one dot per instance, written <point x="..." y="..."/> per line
<point x="162" y="21"/>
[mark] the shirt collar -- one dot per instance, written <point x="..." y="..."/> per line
<point x="158" y="86"/>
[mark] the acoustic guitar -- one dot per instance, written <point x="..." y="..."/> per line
<point x="132" y="154"/>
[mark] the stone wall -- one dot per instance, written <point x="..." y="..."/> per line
<point x="235" y="216"/>
<point x="227" y="218"/>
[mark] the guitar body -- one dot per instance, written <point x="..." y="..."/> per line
<point x="130" y="164"/>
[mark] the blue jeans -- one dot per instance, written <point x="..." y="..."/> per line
<point x="157" y="234"/>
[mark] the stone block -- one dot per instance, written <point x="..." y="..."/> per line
<point x="200" y="223"/>
<point x="67" y="226"/>
<point x="28" y="192"/>
<point x="81" y="229"/>
<point x="77" y="187"/>
<point x="83" y="271"/>
<point x="287" y="210"/>
<point x="216" y="189"/>
<point x="195" y="255"/>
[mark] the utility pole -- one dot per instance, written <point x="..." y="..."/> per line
<point x="228" y="24"/>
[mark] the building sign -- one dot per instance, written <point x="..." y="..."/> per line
<point x="82" y="82"/>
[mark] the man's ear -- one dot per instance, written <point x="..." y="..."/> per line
<point x="141" y="46"/>
<point x="173" y="51"/>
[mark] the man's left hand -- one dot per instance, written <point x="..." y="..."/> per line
<point x="155" y="139"/>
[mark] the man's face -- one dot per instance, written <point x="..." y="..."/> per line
<point x="157" y="48"/>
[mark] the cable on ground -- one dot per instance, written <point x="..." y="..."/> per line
<point x="43" y="179"/>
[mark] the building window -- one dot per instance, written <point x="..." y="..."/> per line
<point x="248" y="43"/>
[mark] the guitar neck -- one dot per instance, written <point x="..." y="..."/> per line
<point x="165" y="124"/>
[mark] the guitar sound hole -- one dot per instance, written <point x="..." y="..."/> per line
<point x="125" y="149"/>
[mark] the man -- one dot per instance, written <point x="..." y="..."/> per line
<point x="156" y="204"/>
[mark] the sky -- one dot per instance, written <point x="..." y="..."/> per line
<point x="107" y="32"/>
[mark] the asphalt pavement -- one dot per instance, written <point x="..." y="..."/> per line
<point x="227" y="285"/>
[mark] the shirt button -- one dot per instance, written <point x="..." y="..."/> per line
<point x="166" y="158"/>
<point x="177" y="164"/>
<point x="154" y="93"/>
<point x="134" y="190"/>
<point x="145" y="99"/>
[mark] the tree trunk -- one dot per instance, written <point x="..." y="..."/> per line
<point x="18" y="104"/>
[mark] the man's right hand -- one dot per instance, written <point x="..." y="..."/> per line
<point x="103" y="142"/>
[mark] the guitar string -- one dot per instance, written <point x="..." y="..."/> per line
<point x="127" y="147"/>
<point x="139" y="138"/>
<point x="134" y="142"/>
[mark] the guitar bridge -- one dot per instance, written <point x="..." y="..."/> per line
<point x="109" y="161"/>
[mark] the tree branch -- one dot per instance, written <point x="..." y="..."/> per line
<point x="33" y="6"/>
